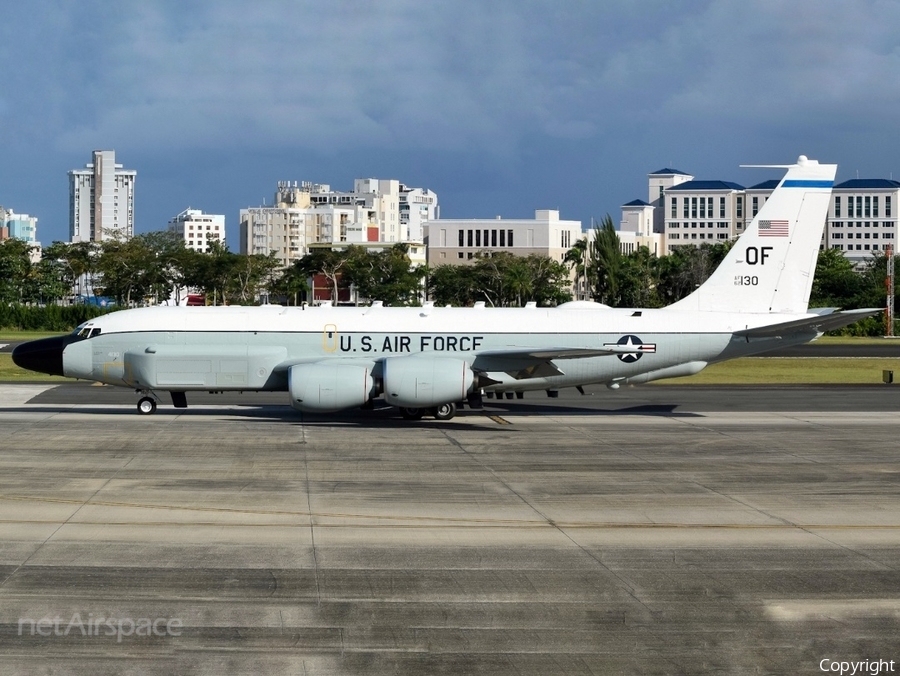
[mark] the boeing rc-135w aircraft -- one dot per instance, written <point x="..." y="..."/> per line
<point x="425" y="360"/>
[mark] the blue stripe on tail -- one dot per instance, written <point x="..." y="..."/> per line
<point x="795" y="183"/>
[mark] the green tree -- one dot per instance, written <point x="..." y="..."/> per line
<point x="15" y="270"/>
<point x="452" y="285"/>
<point x="387" y="275"/>
<point x="576" y="259"/>
<point x="289" y="285"/>
<point x="501" y="279"/>
<point x="687" y="267"/>
<point x="211" y="272"/>
<point x="328" y="262"/>
<point x="251" y="275"/>
<point x="606" y="262"/>
<point x="639" y="279"/>
<point x="836" y="283"/>
<point x="127" y="269"/>
<point x="76" y="262"/>
<point x="549" y="281"/>
<point x="48" y="282"/>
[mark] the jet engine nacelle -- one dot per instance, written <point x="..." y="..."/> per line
<point x="420" y="382"/>
<point x="325" y="387"/>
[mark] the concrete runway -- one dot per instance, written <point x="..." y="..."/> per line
<point x="654" y="530"/>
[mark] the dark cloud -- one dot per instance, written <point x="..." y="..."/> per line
<point x="499" y="107"/>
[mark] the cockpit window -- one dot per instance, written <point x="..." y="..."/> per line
<point x="88" y="331"/>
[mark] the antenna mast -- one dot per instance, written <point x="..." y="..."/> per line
<point x="889" y="285"/>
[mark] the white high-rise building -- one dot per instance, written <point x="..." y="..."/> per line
<point x="198" y="229"/>
<point x="101" y="200"/>
<point x="418" y="206"/>
<point x="303" y="214"/>
<point x="636" y="229"/>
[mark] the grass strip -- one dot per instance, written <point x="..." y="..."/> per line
<point x="13" y="336"/>
<point x="793" y="371"/>
<point x="10" y="373"/>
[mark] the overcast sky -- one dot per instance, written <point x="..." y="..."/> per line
<point x="499" y="106"/>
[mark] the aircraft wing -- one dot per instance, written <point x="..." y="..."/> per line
<point x="544" y="353"/>
<point x="819" y="323"/>
<point x="523" y="363"/>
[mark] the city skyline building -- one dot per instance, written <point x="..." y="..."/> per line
<point x="197" y="229"/>
<point x="304" y="214"/>
<point x="862" y="216"/>
<point x="21" y="227"/>
<point x="101" y="199"/>
<point x="418" y="206"/>
<point x="451" y="241"/>
<point x="703" y="211"/>
<point x="456" y="241"/>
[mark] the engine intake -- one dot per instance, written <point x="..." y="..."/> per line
<point x="420" y="382"/>
<point x="326" y="387"/>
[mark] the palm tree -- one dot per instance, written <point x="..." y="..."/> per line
<point x="606" y="256"/>
<point x="575" y="259"/>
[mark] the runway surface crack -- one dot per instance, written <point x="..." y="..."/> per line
<point x="312" y="529"/>
<point x="629" y="589"/>
<point x="66" y="522"/>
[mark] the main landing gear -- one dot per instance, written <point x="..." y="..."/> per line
<point x="146" y="406"/>
<point x="442" y="412"/>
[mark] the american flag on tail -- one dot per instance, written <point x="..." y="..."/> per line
<point x="773" y="228"/>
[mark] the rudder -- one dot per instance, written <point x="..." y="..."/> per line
<point x="770" y="268"/>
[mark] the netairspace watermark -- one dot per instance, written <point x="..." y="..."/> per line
<point x="861" y="667"/>
<point x="120" y="627"/>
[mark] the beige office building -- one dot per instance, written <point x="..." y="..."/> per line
<point x="457" y="241"/>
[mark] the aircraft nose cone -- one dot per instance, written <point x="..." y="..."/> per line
<point x="44" y="355"/>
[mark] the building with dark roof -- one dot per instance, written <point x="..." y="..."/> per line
<point x="636" y="229"/>
<point x="868" y="184"/>
<point x="703" y="212"/>
<point x="862" y="218"/>
<point x="703" y="186"/>
<point x="669" y="172"/>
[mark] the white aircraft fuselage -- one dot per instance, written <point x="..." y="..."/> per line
<point x="427" y="359"/>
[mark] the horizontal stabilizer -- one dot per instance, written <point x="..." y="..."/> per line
<point x="819" y="323"/>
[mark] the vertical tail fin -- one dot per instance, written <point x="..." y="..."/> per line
<point x="771" y="266"/>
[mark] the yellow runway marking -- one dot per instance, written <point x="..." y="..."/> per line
<point x="500" y="421"/>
